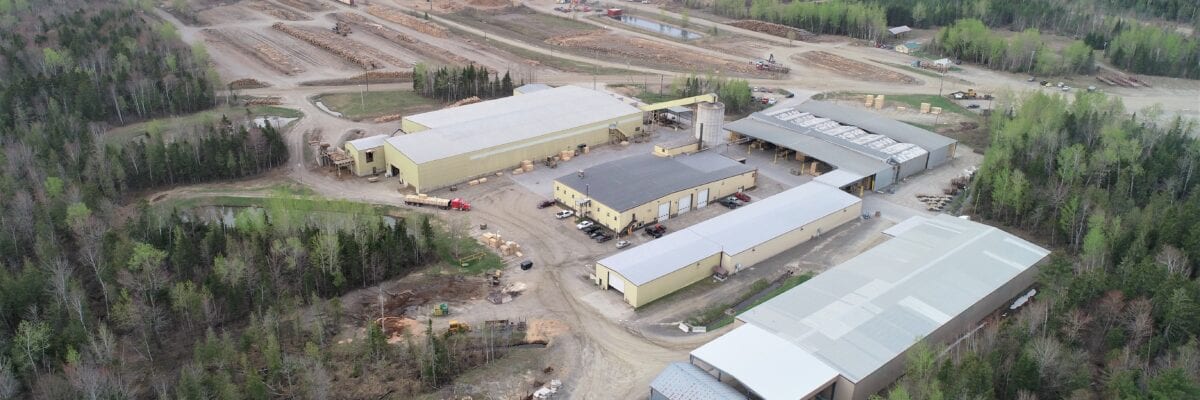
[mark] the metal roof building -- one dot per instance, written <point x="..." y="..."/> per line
<point x="530" y="88"/>
<point x="882" y="151"/>
<point x="633" y="181"/>
<point x="683" y="381"/>
<point x="453" y="145"/>
<point x="728" y="243"/>
<point x="935" y="279"/>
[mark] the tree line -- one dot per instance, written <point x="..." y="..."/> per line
<point x="211" y="153"/>
<point x="836" y="17"/>
<point x="1116" y="314"/>
<point x="451" y="84"/>
<point x="1107" y="25"/>
<point x="102" y="63"/>
<point x="734" y="93"/>
<point x="970" y="40"/>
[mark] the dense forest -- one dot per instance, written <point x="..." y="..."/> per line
<point x="451" y="84"/>
<point x="1118" y="307"/>
<point x="100" y="298"/>
<point x="734" y="93"/>
<point x="104" y="64"/>
<point x="1107" y="25"/>
<point x="970" y="40"/>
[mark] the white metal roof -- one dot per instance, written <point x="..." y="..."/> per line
<point x="904" y="226"/>
<point x="532" y="87"/>
<point x="771" y="367"/>
<point x="861" y="314"/>
<point x="732" y="233"/>
<point x="494" y="123"/>
<point x="830" y="153"/>
<point x="660" y="257"/>
<point x="768" y="218"/>
<point x="899" y="29"/>
<point x="683" y="381"/>
<point x="839" y="177"/>
<point x="369" y="142"/>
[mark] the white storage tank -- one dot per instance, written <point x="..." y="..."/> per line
<point x="708" y="123"/>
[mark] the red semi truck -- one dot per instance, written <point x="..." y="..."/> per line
<point x="445" y="204"/>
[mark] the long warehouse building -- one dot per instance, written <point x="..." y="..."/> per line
<point x="727" y="243"/>
<point x="625" y="194"/>
<point x="845" y="334"/>
<point x="454" y="145"/>
<point x="860" y="147"/>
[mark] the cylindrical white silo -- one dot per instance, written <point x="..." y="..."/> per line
<point x="708" y="122"/>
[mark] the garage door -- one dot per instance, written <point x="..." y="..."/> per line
<point x="685" y="204"/>
<point x="702" y="199"/>
<point x="664" y="211"/>
<point x="616" y="283"/>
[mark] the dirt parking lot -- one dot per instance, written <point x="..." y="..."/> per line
<point x="853" y="69"/>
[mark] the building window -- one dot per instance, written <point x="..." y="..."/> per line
<point x="370" y="156"/>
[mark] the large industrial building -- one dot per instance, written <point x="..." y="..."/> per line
<point x="865" y="150"/>
<point x="453" y="145"/>
<point x="628" y="193"/>
<point x="845" y="333"/>
<point x="727" y="243"/>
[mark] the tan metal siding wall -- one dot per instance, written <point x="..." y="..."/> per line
<point x="408" y="126"/>
<point x="361" y="166"/>
<point x="409" y="172"/>
<point x="673" y="281"/>
<point x="716" y="190"/>
<point x="445" y="172"/>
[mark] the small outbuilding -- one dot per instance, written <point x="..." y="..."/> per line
<point x="367" y="154"/>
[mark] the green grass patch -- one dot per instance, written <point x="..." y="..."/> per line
<point x="289" y="205"/>
<point x="915" y="100"/>
<point x="714" y="317"/>
<point x="359" y="106"/>
<point x="170" y="127"/>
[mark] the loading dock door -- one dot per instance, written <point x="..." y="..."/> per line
<point x="664" y="211"/>
<point x="685" y="204"/>
<point x="616" y="283"/>
<point x="702" y="199"/>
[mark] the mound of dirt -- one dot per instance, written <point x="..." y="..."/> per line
<point x="773" y="29"/>
<point x="248" y="83"/>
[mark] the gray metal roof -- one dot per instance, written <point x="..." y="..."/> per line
<point x="881" y="147"/>
<point x="532" y="87"/>
<point x="833" y="154"/>
<point x="859" y="315"/>
<point x="633" y="181"/>
<point x="839" y="177"/>
<point x="878" y="124"/>
<point x="765" y="219"/>
<point x="683" y="381"/>
<point x="470" y="128"/>
<point x="732" y="233"/>
<point x="369" y="142"/>
<point x="660" y="257"/>
<point x="769" y="366"/>
<point x="899" y="29"/>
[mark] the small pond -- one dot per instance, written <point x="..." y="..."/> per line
<point x="655" y="26"/>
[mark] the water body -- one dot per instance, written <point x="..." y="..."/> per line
<point x="655" y="26"/>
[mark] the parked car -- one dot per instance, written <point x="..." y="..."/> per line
<point x="656" y="230"/>
<point x="564" y="214"/>
<point x="526" y="265"/>
<point x="546" y="204"/>
<point x="591" y="229"/>
<point x="604" y="237"/>
<point x="622" y="244"/>
<point x="972" y="106"/>
<point x="771" y="102"/>
<point x="730" y="203"/>
<point x="585" y="224"/>
<point x="596" y="234"/>
<point x="742" y="196"/>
